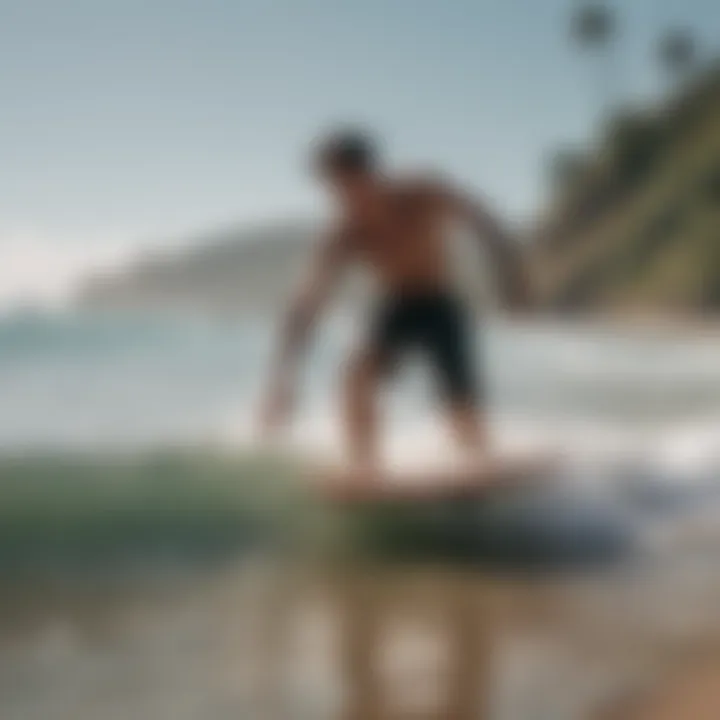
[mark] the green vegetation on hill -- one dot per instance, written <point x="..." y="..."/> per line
<point x="638" y="226"/>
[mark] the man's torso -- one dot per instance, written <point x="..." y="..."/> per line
<point x="402" y="242"/>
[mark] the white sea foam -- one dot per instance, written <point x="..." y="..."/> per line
<point x="671" y="450"/>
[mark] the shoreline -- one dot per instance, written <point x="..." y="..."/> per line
<point x="660" y="324"/>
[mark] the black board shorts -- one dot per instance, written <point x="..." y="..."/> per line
<point x="437" y="325"/>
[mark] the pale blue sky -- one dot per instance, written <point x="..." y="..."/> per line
<point x="152" y="119"/>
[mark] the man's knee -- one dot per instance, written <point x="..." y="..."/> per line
<point x="360" y="376"/>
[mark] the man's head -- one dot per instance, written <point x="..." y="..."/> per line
<point x="348" y="162"/>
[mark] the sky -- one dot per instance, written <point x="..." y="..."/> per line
<point x="131" y="122"/>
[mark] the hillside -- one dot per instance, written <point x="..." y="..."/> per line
<point x="241" y="268"/>
<point x="639" y="228"/>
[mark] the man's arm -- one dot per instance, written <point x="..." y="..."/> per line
<point x="326" y="266"/>
<point x="503" y="247"/>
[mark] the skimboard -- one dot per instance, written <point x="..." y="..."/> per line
<point x="478" y="479"/>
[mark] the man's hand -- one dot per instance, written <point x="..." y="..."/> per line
<point x="330" y="258"/>
<point x="277" y="406"/>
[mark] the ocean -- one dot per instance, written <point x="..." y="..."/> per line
<point x="92" y="381"/>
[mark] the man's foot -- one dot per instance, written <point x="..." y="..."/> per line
<point x="363" y="474"/>
<point x="355" y="481"/>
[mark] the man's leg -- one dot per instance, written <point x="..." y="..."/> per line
<point x="450" y="341"/>
<point x="468" y="426"/>
<point x="360" y="409"/>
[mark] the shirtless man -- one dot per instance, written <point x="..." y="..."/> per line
<point x="395" y="227"/>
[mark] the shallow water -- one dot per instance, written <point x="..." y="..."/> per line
<point x="277" y="641"/>
<point x="153" y="603"/>
<point x="174" y="613"/>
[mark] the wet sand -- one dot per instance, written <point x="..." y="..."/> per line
<point x="286" y="642"/>
<point x="690" y="693"/>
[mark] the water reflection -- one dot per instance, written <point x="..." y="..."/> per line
<point x="421" y="648"/>
<point x="286" y="643"/>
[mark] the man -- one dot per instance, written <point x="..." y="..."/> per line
<point x="395" y="228"/>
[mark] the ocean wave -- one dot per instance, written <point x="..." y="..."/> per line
<point x="112" y="510"/>
<point x="59" y="507"/>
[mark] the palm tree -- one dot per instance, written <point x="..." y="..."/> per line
<point x="594" y="29"/>
<point x="677" y="52"/>
<point x="593" y="24"/>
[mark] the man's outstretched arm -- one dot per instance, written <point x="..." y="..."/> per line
<point x="503" y="247"/>
<point x="299" y="320"/>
